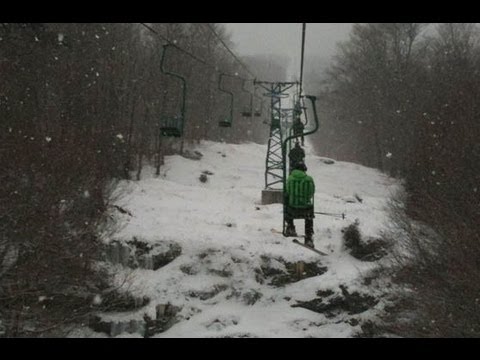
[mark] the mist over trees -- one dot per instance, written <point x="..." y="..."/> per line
<point x="270" y="67"/>
<point x="404" y="98"/>
<point x="81" y="107"/>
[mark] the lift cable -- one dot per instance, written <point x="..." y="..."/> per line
<point x="188" y="52"/>
<point x="228" y="49"/>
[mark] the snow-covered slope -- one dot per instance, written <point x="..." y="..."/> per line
<point x="222" y="279"/>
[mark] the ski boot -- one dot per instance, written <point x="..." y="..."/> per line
<point x="290" y="231"/>
<point x="309" y="243"/>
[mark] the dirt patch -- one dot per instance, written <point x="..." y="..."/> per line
<point x="248" y="297"/>
<point x="189" y="269"/>
<point x="139" y="254"/>
<point x="369" y="330"/>
<point x="192" y="155"/>
<point x="122" y="302"/>
<point x="332" y="305"/>
<point x="208" y="294"/>
<point x="164" y="258"/>
<point x="166" y="317"/>
<point x="370" y="249"/>
<point x="279" y="272"/>
<point x="221" y="272"/>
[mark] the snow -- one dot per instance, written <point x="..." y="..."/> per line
<point x="225" y="235"/>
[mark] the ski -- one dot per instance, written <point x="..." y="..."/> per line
<point x="275" y="231"/>
<point x="308" y="247"/>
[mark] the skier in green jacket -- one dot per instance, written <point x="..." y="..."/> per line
<point x="300" y="190"/>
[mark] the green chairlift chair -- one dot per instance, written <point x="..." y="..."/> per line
<point x="172" y="126"/>
<point x="227" y="121"/>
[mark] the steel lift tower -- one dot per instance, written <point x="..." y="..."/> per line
<point x="277" y="91"/>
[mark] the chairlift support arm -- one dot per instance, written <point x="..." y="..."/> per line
<point x="182" y="80"/>
<point x="229" y="93"/>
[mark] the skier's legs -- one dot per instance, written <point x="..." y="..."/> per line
<point x="309" y="231"/>
<point x="290" y="231"/>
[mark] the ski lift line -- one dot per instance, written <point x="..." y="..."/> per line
<point x="176" y="46"/>
<point x="188" y="52"/>
<point x="228" y="49"/>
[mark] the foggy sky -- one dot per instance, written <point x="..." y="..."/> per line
<point x="285" y="39"/>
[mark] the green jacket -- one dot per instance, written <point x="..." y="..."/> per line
<point x="300" y="190"/>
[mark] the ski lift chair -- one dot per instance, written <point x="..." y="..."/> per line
<point x="172" y="126"/>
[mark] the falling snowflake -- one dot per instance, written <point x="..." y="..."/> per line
<point x="120" y="136"/>
<point x="97" y="300"/>
<point x="48" y="139"/>
<point x="389" y="155"/>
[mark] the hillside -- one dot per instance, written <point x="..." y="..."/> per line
<point x="228" y="274"/>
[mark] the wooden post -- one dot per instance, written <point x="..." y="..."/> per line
<point x="300" y="269"/>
